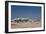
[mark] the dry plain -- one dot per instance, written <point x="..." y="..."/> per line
<point x="25" y="25"/>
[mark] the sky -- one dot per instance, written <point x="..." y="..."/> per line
<point x="25" y="11"/>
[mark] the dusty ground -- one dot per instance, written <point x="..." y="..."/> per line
<point x="25" y="25"/>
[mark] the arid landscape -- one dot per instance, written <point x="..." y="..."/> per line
<point x="25" y="23"/>
<point x="25" y="16"/>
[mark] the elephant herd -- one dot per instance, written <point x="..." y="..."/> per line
<point x="20" y="21"/>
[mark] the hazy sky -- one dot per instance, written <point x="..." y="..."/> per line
<point x="25" y="11"/>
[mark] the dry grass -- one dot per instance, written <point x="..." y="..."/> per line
<point x="25" y="25"/>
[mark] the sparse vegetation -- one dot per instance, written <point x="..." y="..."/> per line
<point x="26" y="23"/>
